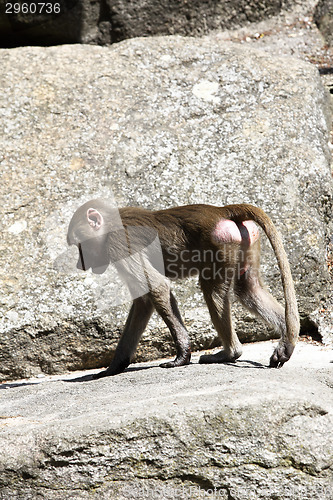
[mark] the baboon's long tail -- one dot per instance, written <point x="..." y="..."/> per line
<point x="239" y="213"/>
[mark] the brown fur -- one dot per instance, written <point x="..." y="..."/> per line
<point x="186" y="237"/>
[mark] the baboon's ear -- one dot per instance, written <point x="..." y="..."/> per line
<point x="95" y="218"/>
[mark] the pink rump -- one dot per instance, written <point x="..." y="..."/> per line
<point x="227" y="231"/>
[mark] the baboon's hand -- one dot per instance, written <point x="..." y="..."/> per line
<point x="280" y="355"/>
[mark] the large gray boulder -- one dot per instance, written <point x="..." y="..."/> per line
<point x="153" y="122"/>
<point x="109" y="21"/>
<point x="231" y="431"/>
